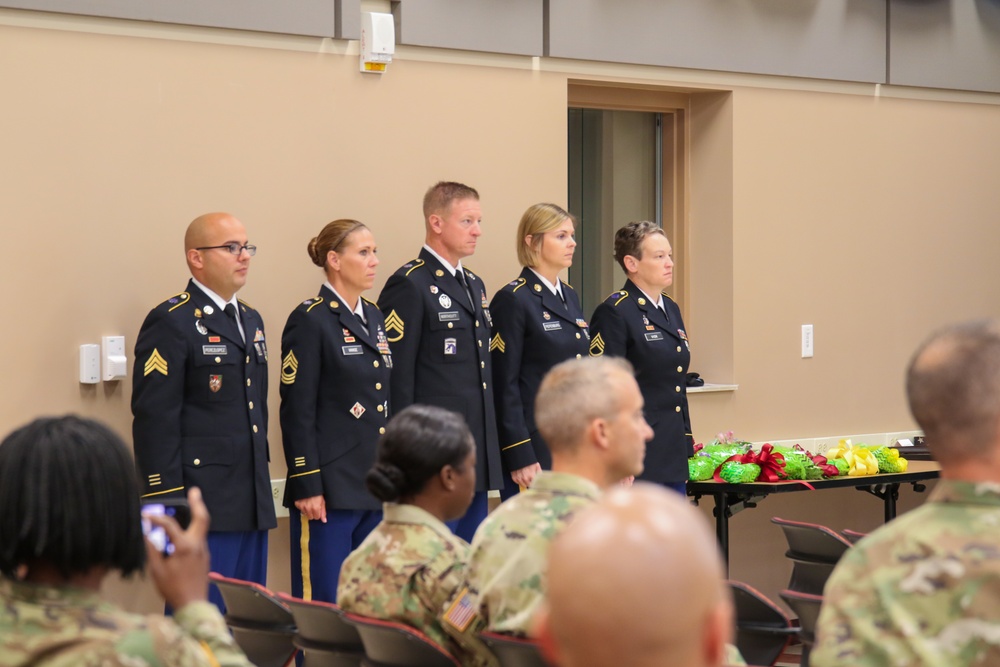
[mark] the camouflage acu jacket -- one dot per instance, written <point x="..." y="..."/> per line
<point x="923" y="590"/>
<point x="506" y="575"/>
<point x="405" y="571"/>
<point x="43" y="626"/>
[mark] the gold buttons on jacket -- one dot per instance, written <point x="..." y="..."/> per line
<point x="480" y="343"/>
<point x="477" y="323"/>
<point x="254" y="428"/>
<point x="451" y="325"/>
<point x="378" y="386"/>
<point x="218" y="360"/>
<point x="579" y="356"/>
<point x="380" y="408"/>
<point x="482" y="364"/>
<point x="197" y="462"/>
<point x="381" y="430"/>
<point x="677" y="409"/>
<point x="248" y="382"/>
<point x="578" y="336"/>
<point x="251" y="405"/>
<point x="677" y="389"/>
<point x="375" y="363"/>
<point x="678" y="348"/>
<point x="248" y="358"/>
<point x="680" y="369"/>
<point x="484" y="385"/>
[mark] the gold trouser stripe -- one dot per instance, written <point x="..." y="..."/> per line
<point x="212" y="660"/>
<point x="160" y="493"/>
<point x="307" y="586"/>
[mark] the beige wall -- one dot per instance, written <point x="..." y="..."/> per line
<point x="869" y="217"/>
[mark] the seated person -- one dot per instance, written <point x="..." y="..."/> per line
<point x="589" y="411"/>
<point x="924" y="589"/>
<point x="411" y="564"/>
<point x="643" y="556"/>
<point x="69" y="517"/>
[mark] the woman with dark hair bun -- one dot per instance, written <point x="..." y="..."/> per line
<point x="334" y="405"/>
<point x="411" y="565"/>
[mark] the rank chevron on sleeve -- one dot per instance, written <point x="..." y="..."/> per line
<point x="155" y="363"/>
<point x="394" y="323"/>
<point x="497" y="343"/>
<point x="289" y="368"/>
<point x="597" y="346"/>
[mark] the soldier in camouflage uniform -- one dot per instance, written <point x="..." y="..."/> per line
<point x="412" y="564"/>
<point x="589" y="411"/>
<point x="60" y="537"/>
<point x="925" y="588"/>
<point x="654" y="554"/>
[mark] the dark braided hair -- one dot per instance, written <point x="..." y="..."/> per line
<point x="68" y="498"/>
<point x="417" y="444"/>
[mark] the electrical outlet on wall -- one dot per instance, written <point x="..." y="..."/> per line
<point x="278" y="494"/>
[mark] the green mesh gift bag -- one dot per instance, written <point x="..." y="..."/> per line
<point x="739" y="473"/>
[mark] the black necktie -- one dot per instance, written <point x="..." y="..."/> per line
<point x="361" y="321"/>
<point x="230" y="311"/>
<point x="563" y="297"/>
<point x="465" y="283"/>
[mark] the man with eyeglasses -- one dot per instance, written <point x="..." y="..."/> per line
<point x="199" y="399"/>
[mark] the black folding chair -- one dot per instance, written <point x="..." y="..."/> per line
<point x="323" y="635"/>
<point x="391" y="644"/>
<point x="513" y="651"/>
<point x="763" y="629"/>
<point x="261" y="624"/>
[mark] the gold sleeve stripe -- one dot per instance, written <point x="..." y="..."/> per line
<point x="597" y="346"/>
<point x="160" y="493"/>
<point x="289" y="368"/>
<point x="504" y="449"/>
<point x="394" y="323"/>
<point x="498" y="344"/>
<point x="155" y="363"/>
<point x="303" y="474"/>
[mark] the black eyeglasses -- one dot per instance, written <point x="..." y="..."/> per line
<point x="233" y="248"/>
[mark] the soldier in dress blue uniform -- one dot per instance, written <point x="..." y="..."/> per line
<point x="642" y="324"/>
<point x="438" y="323"/>
<point x="335" y="367"/>
<point x="199" y="399"/>
<point x="537" y="322"/>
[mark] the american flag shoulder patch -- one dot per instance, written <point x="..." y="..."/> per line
<point x="461" y="612"/>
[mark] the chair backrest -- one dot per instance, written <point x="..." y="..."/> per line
<point x="806" y="607"/>
<point x="262" y="624"/>
<point x="811" y="541"/>
<point x="513" y="651"/>
<point x="763" y="630"/>
<point x="391" y="644"/>
<point x="325" y="638"/>
<point x="852" y="536"/>
<point x="809" y="576"/>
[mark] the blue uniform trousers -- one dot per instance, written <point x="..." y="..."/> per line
<point x="319" y="549"/>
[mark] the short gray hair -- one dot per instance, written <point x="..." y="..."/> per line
<point x="573" y="394"/>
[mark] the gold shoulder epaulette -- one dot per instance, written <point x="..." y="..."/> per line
<point x="177" y="301"/>
<point x="520" y="282"/>
<point x="245" y="304"/>
<point x="371" y="302"/>
<point x="312" y="303"/>
<point x="620" y="296"/>
<point x="412" y="266"/>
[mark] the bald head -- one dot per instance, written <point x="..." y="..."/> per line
<point x="645" y="556"/>
<point x="953" y="387"/>
<point x="221" y="271"/>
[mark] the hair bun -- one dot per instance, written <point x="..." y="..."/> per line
<point x="314" y="252"/>
<point x="385" y="481"/>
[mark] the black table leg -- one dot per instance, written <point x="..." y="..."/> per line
<point x="722" y="526"/>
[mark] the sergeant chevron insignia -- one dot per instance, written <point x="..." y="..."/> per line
<point x="289" y="368"/>
<point x="597" y="346"/>
<point x="155" y="363"/>
<point x="498" y="344"/>
<point x="394" y="323"/>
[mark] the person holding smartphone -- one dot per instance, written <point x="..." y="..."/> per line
<point x="334" y="405"/>
<point x="71" y="516"/>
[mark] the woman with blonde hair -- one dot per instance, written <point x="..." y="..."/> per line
<point x="537" y="322"/>
<point x="335" y="366"/>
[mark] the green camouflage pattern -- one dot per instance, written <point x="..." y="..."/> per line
<point x="42" y="626"/>
<point x="406" y="570"/>
<point x="506" y="574"/>
<point x="922" y="590"/>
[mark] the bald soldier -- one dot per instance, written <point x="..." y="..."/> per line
<point x="925" y="588"/>
<point x="589" y="411"/>
<point x="199" y="399"/>
<point x="646" y="556"/>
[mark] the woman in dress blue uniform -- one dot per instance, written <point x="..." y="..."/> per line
<point x="334" y="405"/>
<point x="538" y="323"/>
<point x="641" y="323"/>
